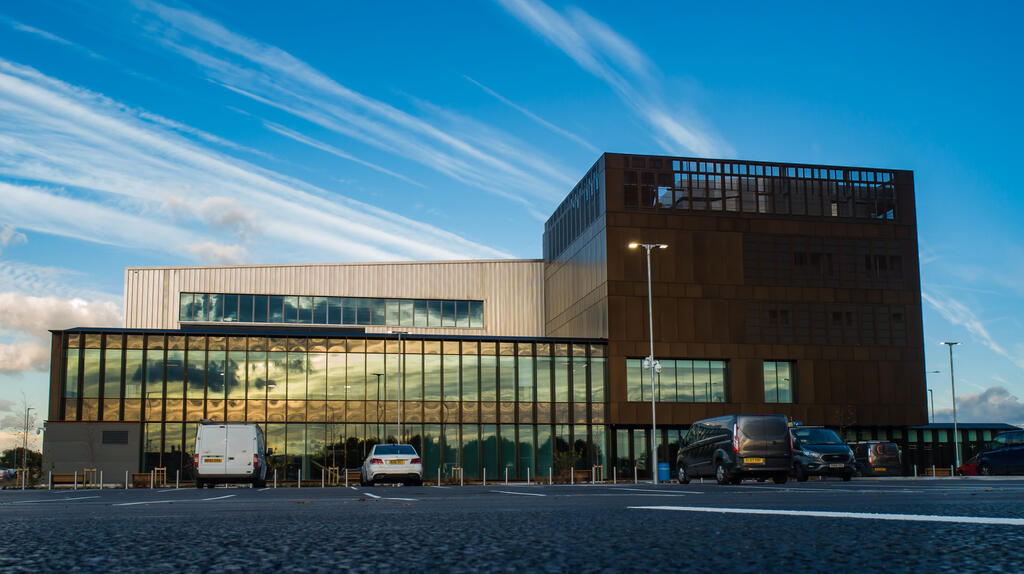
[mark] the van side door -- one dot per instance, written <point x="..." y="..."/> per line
<point x="240" y="446"/>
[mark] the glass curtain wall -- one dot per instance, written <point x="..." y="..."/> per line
<point x="528" y="407"/>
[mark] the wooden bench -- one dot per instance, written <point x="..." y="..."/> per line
<point x="141" y="480"/>
<point x="67" y="478"/>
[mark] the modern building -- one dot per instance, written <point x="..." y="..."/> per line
<point x="785" y="288"/>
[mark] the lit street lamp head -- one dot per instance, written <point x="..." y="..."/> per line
<point x="633" y="245"/>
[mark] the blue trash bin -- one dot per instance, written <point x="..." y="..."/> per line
<point x="663" y="472"/>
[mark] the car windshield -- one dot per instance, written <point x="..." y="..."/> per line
<point x="818" y="436"/>
<point x="394" y="449"/>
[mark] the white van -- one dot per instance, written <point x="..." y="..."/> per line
<point x="230" y="452"/>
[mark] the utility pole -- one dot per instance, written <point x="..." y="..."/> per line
<point x="24" y="441"/>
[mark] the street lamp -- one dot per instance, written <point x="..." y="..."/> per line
<point x="24" y="442"/>
<point x="931" y="395"/>
<point x="401" y="379"/>
<point x="952" y="385"/>
<point x="650" y="362"/>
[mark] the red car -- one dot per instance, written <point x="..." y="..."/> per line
<point x="969" y="468"/>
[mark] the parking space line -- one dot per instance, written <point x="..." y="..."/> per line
<point x="395" y="498"/>
<point x="57" y="500"/>
<point x="262" y="489"/>
<point x="519" y="493"/>
<point x="371" y="495"/>
<point x="176" y="490"/>
<point x="144" y="502"/>
<point x="220" y="497"/>
<point x="669" y="491"/>
<point x="857" y="515"/>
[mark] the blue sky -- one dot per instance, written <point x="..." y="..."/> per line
<point x="144" y="133"/>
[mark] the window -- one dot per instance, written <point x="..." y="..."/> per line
<point x="779" y="379"/>
<point x="680" y="381"/>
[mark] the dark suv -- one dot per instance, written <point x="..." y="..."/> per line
<point x="1004" y="455"/>
<point x="819" y="451"/>
<point x="877" y="458"/>
<point x="734" y="447"/>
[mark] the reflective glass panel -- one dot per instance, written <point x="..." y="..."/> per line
<point x="420" y="312"/>
<point x="334" y="314"/>
<point x="291" y="309"/>
<point x="259" y="308"/>
<point x="447" y="313"/>
<point x="305" y="310"/>
<point x="230" y="308"/>
<point x="476" y="314"/>
<point x="432" y="377"/>
<point x="276" y="312"/>
<point x="245" y="308"/>
<point x="406" y="313"/>
<point x="462" y="313"/>
<point x="433" y="313"/>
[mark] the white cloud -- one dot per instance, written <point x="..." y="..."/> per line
<point x="105" y="175"/>
<point x="599" y="50"/>
<point x="29" y="319"/>
<point x="217" y="254"/>
<point x="269" y="75"/>
<point x="10" y="236"/>
<point x="993" y="405"/>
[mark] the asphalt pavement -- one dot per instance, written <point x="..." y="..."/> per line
<point x="873" y="525"/>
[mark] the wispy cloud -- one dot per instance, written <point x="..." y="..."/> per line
<point x="961" y="315"/>
<point x="544" y="123"/>
<point x="21" y="27"/>
<point x="10" y="236"/>
<point x="272" y="76"/>
<point x="599" y="50"/>
<point x="96" y="170"/>
<point x="292" y="134"/>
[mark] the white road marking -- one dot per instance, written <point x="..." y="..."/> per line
<point x="859" y="515"/>
<point x="58" y="500"/>
<point x="371" y="495"/>
<point x="176" y="490"/>
<point x="519" y="493"/>
<point x="220" y="497"/>
<point x="670" y="491"/>
<point x="353" y="488"/>
<point x="394" y="498"/>
<point x="262" y="489"/>
<point x="145" y="502"/>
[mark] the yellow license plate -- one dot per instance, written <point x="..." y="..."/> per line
<point x="879" y="469"/>
<point x="213" y="460"/>
<point x="753" y="461"/>
<point x="396" y="462"/>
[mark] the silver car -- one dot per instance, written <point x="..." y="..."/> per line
<point x="392" y="463"/>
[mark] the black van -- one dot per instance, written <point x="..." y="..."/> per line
<point x="733" y="447"/>
<point x="877" y="458"/>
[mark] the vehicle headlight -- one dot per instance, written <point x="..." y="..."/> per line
<point x="812" y="454"/>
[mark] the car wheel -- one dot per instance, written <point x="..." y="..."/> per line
<point x="800" y="472"/>
<point x="721" y="475"/>
<point x="780" y="478"/>
<point x="984" y="469"/>
<point x="683" y="478"/>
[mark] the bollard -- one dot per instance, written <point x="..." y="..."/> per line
<point x="485" y="476"/>
<point x="321" y="478"/>
<point x="951" y="475"/>
<point x="634" y="474"/>
<point x="933" y="471"/>
<point x="527" y="476"/>
<point x="126" y="480"/>
<point x="550" y="481"/>
<point x="506" y="476"/>
<point x="572" y="475"/>
<point x="593" y="474"/>
<point x="75" y="487"/>
<point x="462" y="481"/>
<point x="275" y="478"/>
<point x="615" y="473"/>
<point x="915" y="471"/>
<point x="346" y="478"/>
<point x="101" y="479"/>
<point x="299" y="483"/>
<point x="151" y="477"/>
<point x="177" y="478"/>
<point x="439" y="476"/>
<point x="49" y="482"/>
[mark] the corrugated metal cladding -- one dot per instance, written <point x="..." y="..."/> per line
<point x="512" y="291"/>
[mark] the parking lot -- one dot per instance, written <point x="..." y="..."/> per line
<point x="879" y="524"/>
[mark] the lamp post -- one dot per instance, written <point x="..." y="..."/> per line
<point x="931" y="396"/>
<point x="652" y="364"/>
<point x="24" y="441"/>
<point x="401" y="379"/>
<point x="384" y="402"/>
<point x="952" y="386"/>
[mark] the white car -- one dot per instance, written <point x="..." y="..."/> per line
<point x="392" y="463"/>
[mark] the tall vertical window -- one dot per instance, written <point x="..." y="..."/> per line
<point x="779" y="381"/>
